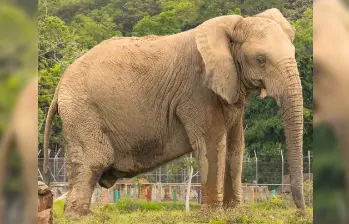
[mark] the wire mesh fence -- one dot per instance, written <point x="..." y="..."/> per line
<point x="260" y="170"/>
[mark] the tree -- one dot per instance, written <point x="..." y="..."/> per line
<point x="57" y="43"/>
<point x="90" y="32"/>
<point x="172" y="20"/>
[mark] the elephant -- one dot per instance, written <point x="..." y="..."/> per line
<point x="22" y="133"/>
<point x="331" y="68"/>
<point x="131" y="104"/>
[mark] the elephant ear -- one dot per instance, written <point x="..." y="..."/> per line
<point x="275" y="14"/>
<point x="213" y="40"/>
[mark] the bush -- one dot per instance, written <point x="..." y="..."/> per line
<point x="58" y="207"/>
<point x="275" y="202"/>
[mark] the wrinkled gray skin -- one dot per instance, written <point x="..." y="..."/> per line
<point x="22" y="134"/>
<point x="130" y="105"/>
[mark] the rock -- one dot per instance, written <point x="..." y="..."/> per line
<point x="43" y="188"/>
<point x="45" y="217"/>
<point x="45" y="202"/>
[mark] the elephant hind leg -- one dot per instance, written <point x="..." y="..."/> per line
<point x="80" y="190"/>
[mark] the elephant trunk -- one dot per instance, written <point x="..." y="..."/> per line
<point x="291" y="103"/>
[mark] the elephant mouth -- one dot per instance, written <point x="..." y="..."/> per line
<point x="257" y="85"/>
<point x="261" y="89"/>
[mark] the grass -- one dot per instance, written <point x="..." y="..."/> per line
<point x="275" y="211"/>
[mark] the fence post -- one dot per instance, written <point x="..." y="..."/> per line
<point x="166" y="173"/>
<point x="148" y="194"/>
<point x="255" y="155"/>
<point x="65" y="173"/>
<point x="128" y="192"/>
<point x="282" y="171"/>
<point x="199" y="196"/>
<point x="309" y="162"/>
<point x="252" y="194"/>
<point x="160" y="174"/>
<point x="160" y="198"/>
<point x="54" y="168"/>
<point x="174" y="195"/>
<point x="105" y="196"/>
<point x="309" y="168"/>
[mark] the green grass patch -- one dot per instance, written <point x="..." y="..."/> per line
<point x="129" y="205"/>
<point x="278" y="210"/>
<point x="58" y="208"/>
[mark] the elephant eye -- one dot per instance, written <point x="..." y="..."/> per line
<point x="261" y="60"/>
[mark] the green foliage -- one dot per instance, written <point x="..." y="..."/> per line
<point x="304" y="35"/>
<point x="90" y="32"/>
<point x="130" y="205"/>
<point x="236" y="11"/>
<point x="176" y="15"/>
<point x="58" y="206"/>
<point x="182" y="163"/>
<point x="40" y="124"/>
<point x="276" y="202"/>
<point x="294" y="8"/>
<point x="155" y="25"/>
<point x="251" y="7"/>
<point x="57" y="44"/>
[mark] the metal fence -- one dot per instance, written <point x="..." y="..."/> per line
<point x="257" y="170"/>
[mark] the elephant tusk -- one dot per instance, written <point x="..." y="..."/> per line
<point x="263" y="93"/>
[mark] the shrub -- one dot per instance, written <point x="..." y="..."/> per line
<point x="275" y="202"/>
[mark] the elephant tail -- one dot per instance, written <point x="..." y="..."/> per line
<point x="48" y="126"/>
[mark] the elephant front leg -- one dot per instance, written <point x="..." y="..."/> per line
<point x="233" y="173"/>
<point x="211" y="156"/>
<point x="232" y="184"/>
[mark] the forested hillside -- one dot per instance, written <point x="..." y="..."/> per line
<point x="68" y="28"/>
